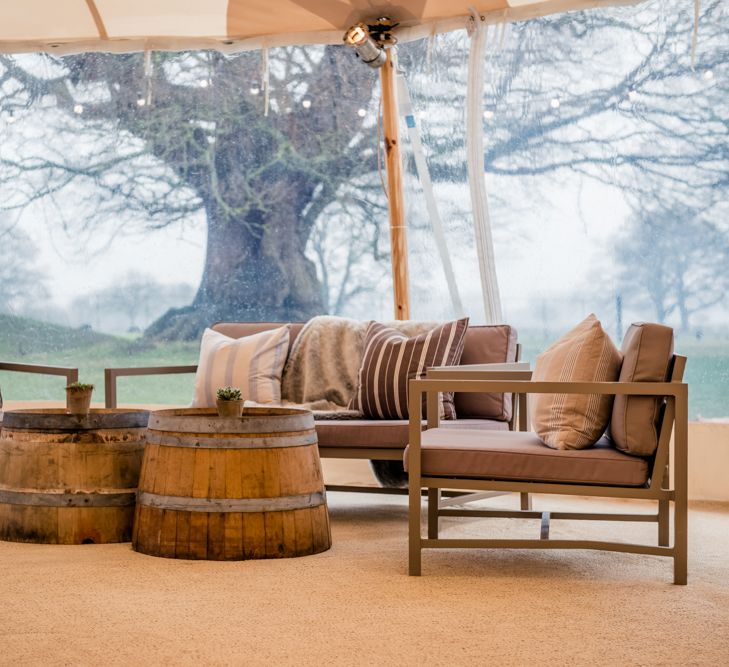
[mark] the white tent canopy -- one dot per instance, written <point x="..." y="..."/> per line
<point x="65" y="26"/>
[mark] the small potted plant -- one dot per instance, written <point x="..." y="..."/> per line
<point x="230" y="402"/>
<point x="78" y="398"/>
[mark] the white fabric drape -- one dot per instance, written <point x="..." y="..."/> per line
<point x="476" y="176"/>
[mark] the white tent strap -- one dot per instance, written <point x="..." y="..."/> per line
<point x="476" y="176"/>
<point x="406" y="111"/>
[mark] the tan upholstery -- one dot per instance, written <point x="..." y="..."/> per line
<point x="513" y="455"/>
<point x="487" y="345"/>
<point x="385" y="433"/>
<point x="584" y="354"/>
<point x="482" y="345"/>
<point x="647" y="352"/>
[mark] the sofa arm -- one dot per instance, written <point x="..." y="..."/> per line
<point x="111" y="374"/>
<point x="515" y="370"/>
<point x="71" y="374"/>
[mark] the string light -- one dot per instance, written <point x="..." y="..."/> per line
<point x="255" y="89"/>
<point x="11" y="117"/>
<point x="488" y="114"/>
<point x="78" y="109"/>
<point x="708" y="75"/>
<point x="204" y="83"/>
<point x="306" y="103"/>
<point x="554" y="103"/>
<point x="361" y="113"/>
<point x="141" y="102"/>
<point x="632" y="95"/>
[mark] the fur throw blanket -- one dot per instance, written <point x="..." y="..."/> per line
<point x="322" y="369"/>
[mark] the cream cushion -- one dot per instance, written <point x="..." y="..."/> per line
<point x="253" y="364"/>
<point x="584" y="354"/>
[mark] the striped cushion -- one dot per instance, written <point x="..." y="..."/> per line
<point x="391" y="359"/>
<point x="253" y="364"/>
<point x="575" y="421"/>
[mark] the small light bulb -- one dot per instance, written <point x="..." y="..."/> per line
<point x="488" y="115"/>
<point x="141" y="102"/>
<point x="632" y="95"/>
<point x="11" y="118"/>
<point x="361" y="113"/>
<point x="288" y="109"/>
<point x="554" y="103"/>
<point x="708" y="75"/>
<point x="306" y="103"/>
<point x="254" y="89"/>
<point x="204" y="83"/>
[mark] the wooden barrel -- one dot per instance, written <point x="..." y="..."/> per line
<point x="231" y="488"/>
<point x="70" y="479"/>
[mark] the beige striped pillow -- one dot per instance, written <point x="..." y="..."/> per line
<point x="391" y="359"/>
<point x="252" y="363"/>
<point x="575" y="421"/>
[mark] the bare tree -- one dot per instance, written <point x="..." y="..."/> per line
<point x="22" y="284"/>
<point x="676" y="260"/>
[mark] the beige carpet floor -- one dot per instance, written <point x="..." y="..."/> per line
<point x="355" y="605"/>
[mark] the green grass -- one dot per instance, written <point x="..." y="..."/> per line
<point x="29" y="341"/>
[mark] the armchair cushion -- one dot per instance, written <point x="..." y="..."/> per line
<point x="391" y="360"/>
<point x="252" y="363"/>
<point x="647" y="352"/>
<point x="517" y="455"/>
<point x="584" y="354"/>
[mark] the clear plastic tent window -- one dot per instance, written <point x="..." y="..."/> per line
<point x="146" y="197"/>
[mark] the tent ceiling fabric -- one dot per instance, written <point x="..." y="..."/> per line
<point x="67" y="26"/>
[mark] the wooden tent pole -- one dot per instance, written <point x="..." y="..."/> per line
<point x="396" y="198"/>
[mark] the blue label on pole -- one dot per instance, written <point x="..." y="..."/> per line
<point x="410" y="120"/>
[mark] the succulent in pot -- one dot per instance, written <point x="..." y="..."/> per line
<point x="78" y="398"/>
<point x="230" y="402"/>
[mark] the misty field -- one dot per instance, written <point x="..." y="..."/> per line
<point x="28" y="341"/>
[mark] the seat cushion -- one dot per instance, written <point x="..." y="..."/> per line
<point x="387" y="433"/>
<point x="252" y="363"/>
<point x="647" y="352"/>
<point x="584" y="354"/>
<point x="513" y="455"/>
<point x="493" y="344"/>
<point x="391" y="360"/>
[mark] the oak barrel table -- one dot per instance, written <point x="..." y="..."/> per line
<point x="70" y="479"/>
<point x="231" y="488"/>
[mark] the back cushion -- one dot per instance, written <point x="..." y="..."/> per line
<point x="391" y="360"/>
<point x="252" y="363"/>
<point x="647" y="352"/>
<point x="240" y="329"/>
<point x="584" y="354"/>
<point x="487" y="345"/>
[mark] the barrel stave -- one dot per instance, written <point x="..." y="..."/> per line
<point x="246" y="467"/>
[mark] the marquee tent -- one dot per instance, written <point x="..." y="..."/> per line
<point x="70" y="26"/>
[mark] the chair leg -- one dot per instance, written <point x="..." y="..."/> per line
<point x="414" y="554"/>
<point x="526" y="501"/>
<point x="433" y="505"/>
<point x="663" y="523"/>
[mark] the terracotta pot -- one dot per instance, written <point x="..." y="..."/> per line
<point x="78" y="402"/>
<point x="229" y="408"/>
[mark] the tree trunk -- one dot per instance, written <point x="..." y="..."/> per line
<point x="255" y="270"/>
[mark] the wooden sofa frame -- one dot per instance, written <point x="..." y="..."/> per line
<point x="71" y="374"/>
<point x="659" y="488"/>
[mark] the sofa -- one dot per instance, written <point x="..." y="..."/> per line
<point x="379" y="440"/>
